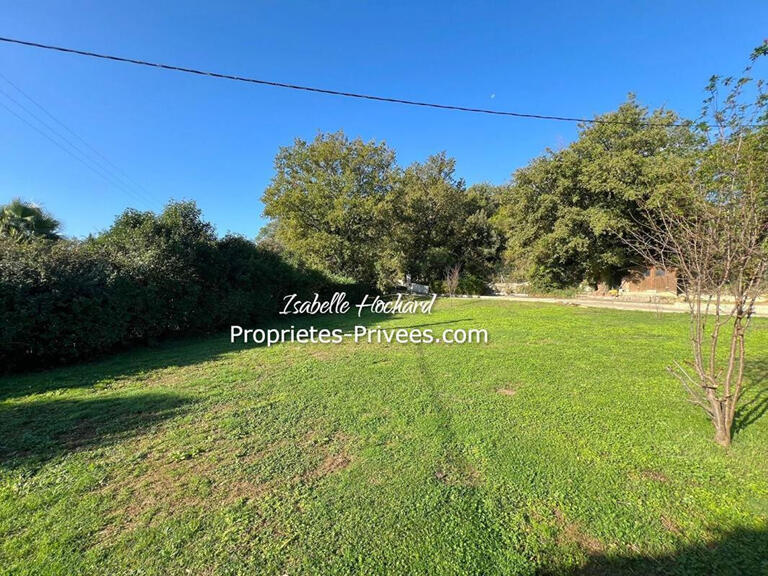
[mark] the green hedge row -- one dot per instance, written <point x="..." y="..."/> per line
<point x="147" y="278"/>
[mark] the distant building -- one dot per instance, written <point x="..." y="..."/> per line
<point x="651" y="280"/>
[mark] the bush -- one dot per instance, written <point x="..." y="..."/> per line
<point x="58" y="303"/>
<point x="146" y="278"/>
<point x="469" y="284"/>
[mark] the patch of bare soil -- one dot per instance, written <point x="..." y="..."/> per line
<point x="654" y="475"/>
<point x="573" y="532"/>
<point x="79" y="436"/>
<point x="333" y="463"/>
<point x="163" y="484"/>
<point x="459" y="473"/>
<point x="335" y="458"/>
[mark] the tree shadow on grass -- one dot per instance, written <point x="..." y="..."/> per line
<point x="36" y="431"/>
<point x="169" y="353"/>
<point x="755" y="403"/>
<point x="740" y="552"/>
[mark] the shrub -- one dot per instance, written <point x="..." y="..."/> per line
<point x="469" y="284"/>
<point x="57" y="302"/>
<point x="147" y="277"/>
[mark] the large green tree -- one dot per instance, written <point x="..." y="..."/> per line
<point x="22" y="221"/>
<point x="327" y="197"/>
<point x="565" y="214"/>
<point x="437" y="222"/>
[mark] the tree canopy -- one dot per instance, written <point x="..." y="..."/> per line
<point x="23" y="221"/>
<point x="327" y="197"/>
<point x="564" y="215"/>
<point x="437" y="222"/>
<point x="345" y="207"/>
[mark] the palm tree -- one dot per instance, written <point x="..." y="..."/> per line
<point x="22" y="221"/>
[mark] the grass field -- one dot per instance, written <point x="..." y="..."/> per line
<point x="560" y="446"/>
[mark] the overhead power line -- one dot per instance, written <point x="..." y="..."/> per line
<point x="56" y="142"/>
<point x="95" y="156"/>
<point x="65" y="144"/>
<point x="330" y="92"/>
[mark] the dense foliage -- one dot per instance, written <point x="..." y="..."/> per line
<point x="147" y="277"/>
<point x="345" y="207"/>
<point x="343" y="210"/>
<point x="437" y="222"/>
<point x="565" y="214"/>
<point x="327" y="197"/>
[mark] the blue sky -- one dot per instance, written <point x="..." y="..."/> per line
<point x="185" y="137"/>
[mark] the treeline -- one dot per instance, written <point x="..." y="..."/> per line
<point x="148" y="277"/>
<point x="345" y="207"/>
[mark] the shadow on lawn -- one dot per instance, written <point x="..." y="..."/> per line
<point x="170" y="353"/>
<point x="755" y="404"/>
<point x="737" y="553"/>
<point x="36" y="431"/>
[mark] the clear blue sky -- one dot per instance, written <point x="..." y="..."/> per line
<point x="213" y="141"/>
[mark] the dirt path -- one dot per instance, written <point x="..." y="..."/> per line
<point x="658" y="308"/>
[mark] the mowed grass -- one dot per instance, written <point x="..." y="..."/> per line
<point x="560" y="446"/>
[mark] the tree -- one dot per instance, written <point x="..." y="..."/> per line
<point x="438" y="221"/>
<point x="267" y="238"/>
<point x="327" y="197"/>
<point x="452" y="275"/>
<point x="565" y="213"/>
<point x="715" y="233"/>
<point x="22" y="221"/>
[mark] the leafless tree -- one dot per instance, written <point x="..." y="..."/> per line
<point x="452" y="274"/>
<point x="713" y="229"/>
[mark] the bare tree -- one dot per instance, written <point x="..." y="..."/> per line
<point x="452" y="274"/>
<point x="713" y="229"/>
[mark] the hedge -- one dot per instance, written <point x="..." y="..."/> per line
<point x="69" y="301"/>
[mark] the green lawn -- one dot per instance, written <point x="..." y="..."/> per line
<point x="561" y="446"/>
